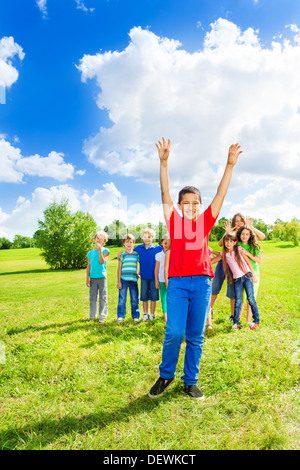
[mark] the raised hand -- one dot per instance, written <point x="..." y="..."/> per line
<point x="233" y="154"/>
<point x="249" y="220"/>
<point x="163" y="149"/>
<point x="227" y="227"/>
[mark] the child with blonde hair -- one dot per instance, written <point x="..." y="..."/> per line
<point x="96" y="277"/>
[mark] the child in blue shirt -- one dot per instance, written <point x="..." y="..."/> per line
<point x="96" y="277"/>
<point x="149" y="292"/>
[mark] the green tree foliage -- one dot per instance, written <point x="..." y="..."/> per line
<point x="288" y="231"/>
<point x="117" y="229"/>
<point x="5" y="244"/>
<point x="20" y="241"/>
<point x="64" y="237"/>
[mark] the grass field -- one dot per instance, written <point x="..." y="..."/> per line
<point x="71" y="384"/>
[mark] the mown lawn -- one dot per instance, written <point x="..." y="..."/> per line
<point x="71" y="384"/>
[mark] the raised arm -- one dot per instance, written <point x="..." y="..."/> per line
<point x="259" y="235"/>
<point x="233" y="154"/>
<point x="163" y="153"/>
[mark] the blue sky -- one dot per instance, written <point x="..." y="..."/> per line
<point x="88" y="87"/>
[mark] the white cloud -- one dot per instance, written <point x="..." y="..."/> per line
<point x="232" y="89"/>
<point x="52" y="166"/>
<point x="23" y="219"/>
<point x="273" y="201"/>
<point x="80" y="5"/>
<point x="105" y="205"/>
<point x="14" y="166"/>
<point x="8" y="50"/>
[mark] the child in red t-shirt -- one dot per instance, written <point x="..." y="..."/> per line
<point x="190" y="272"/>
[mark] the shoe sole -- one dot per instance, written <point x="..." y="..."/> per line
<point x="195" y="398"/>
<point x="161" y="394"/>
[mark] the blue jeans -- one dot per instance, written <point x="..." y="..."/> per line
<point x="245" y="281"/>
<point x="134" y="299"/>
<point x="188" y="302"/>
<point x="218" y="279"/>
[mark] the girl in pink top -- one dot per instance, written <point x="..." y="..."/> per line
<point x="239" y="270"/>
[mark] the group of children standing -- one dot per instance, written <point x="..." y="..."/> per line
<point x="181" y="268"/>
<point x="145" y="261"/>
<point x="238" y="263"/>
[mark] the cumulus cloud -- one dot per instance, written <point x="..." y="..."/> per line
<point x="24" y="217"/>
<point x="14" y="166"/>
<point x="9" y="49"/>
<point x="105" y="205"/>
<point x="276" y="199"/>
<point x="231" y="89"/>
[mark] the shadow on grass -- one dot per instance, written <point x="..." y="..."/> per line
<point x="46" y="431"/>
<point x="100" y="333"/>
<point x="286" y="246"/>
<point x="40" y="271"/>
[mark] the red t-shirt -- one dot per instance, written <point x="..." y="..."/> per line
<point x="189" y="244"/>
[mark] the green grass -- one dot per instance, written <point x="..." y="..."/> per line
<point x="70" y="384"/>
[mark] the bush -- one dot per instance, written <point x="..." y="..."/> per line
<point x="65" y="238"/>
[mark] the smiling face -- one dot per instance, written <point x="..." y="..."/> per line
<point x="244" y="236"/>
<point x="165" y="244"/>
<point x="129" y="244"/>
<point x="237" y="221"/>
<point x="190" y="206"/>
<point x="147" y="238"/>
<point x="229" y="243"/>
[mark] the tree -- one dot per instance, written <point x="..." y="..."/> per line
<point x="278" y="229"/>
<point x="5" y="244"/>
<point x="115" y="231"/>
<point x="20" y="241"/>
<point x="218" y="231"/>
<point x="292" y="231"/>
<point x="65" y="238"/>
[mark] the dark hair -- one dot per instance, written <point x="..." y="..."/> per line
<point x="252" y="242"/>
<point x="186" y="190"/>
<point x="227" y="270"/>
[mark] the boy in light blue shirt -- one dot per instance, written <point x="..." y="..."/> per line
<point x="96" y="277"/>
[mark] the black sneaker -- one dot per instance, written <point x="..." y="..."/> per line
<point x="194" y="391"/>
<point x="159" y="387"/>
<point x="231" y="318"/>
